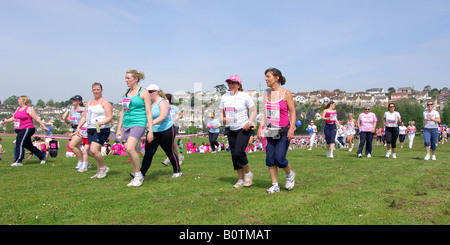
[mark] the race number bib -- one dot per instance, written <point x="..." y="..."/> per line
<point x="126" y="104"/>
<point x="74" y="120"/>
<point x="83" y="132"/>
<point x="16" y="124"/>
<point x="273" y="112"/>
<point x="230" y="114"/>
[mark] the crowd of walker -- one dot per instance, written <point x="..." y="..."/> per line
<point x="148" y="114"/>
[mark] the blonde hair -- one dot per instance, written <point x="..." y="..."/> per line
<point x="161" y="94"/>
<point x="25" y="99"/>
<point x="136" y="74"/>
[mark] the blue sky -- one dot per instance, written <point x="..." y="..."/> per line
<point x="58" y="48"/>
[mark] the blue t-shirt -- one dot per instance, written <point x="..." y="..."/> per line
<point x="164" y="125"/>
<point x="213" y="123"/>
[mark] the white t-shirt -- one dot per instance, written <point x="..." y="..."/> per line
<point x="392" y="118"/>
<point x="429" y="123"/>
<point x="236" y="109"/>
<point x="402" y="129"/>
<point x="314" y="127"/>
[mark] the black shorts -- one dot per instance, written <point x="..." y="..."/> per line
<point x="98" y="138"/>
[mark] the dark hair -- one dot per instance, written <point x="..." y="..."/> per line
<point x="390" y="105"/>
<point x="329" y="104"/>
<point x="276" y="73"/>
<point x="169" y="98"/>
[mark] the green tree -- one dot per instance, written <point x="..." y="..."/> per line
<point x="50" y="103"/>
<point x="40" y="103"/>
<point x="11" y="100"/>
<point x="445" y="117"/>
<point x="410" y="110"/>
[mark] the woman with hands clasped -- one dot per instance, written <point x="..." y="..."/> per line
<point x="97" y="116"/>
<point x="391" y="120"/>
<point x="367" y="122"/>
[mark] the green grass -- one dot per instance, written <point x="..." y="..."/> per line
<point x="345" y="190"/>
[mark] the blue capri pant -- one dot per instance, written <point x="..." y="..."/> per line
<point x="276" y="150"/>
<point x="430" y="136"/>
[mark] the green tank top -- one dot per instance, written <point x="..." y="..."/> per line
<point x="134" y="111"/>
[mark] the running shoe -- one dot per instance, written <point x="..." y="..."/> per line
<point x="427" y="157"/>
<point x="273" y="189"/>
<point x="16" y="164"/>
<point x="102" y="172"/>
<point x="136" y="181"/>
<point x="79" y="164"/>
<point x="239" y="184"/>
<point x="290" y="181"/>
<point x="433" y="157"/>
<point x="166" y="162"/>
<point x="248" y="179"/>
<point x="176" y="175"/>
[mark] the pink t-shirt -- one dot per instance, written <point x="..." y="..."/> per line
<point x="366" y="121"/>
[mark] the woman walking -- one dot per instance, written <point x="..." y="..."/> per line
<point x="280" y="115"/>
<point x="73" y="118"/>
<point x="175" y="115"/>
<point x="98" y="115"/>
<point x="330" y="117"/>
<point x="402" y="134"/>
<point x="23" y="125"/>
<point x="234" y="107"/>
<point x="312" y="129"/>
<point x="163" y="132"/>
<point x="391" y="120"/>
<point x="367" y="122"/>
<point x="411" y="133"/>
<point x="135" y="115"/>
<point x="351" y="131"/>
<point x="213" y="132"/>
<point x="431" y="120"/>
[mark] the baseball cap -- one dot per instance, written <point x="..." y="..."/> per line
<point x="234" y="78"/>
<point x="77" y="97"/>
<point x="153" y="87"/>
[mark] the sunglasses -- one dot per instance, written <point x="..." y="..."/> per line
<point x="429" y="104"/>
<point x="151" y="91"/>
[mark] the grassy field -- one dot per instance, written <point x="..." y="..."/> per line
<point x="345" y="190"/>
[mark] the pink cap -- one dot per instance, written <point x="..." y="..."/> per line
<point x="234" y="78"/>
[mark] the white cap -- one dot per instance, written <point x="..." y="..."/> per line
<point x="153" y="87"/>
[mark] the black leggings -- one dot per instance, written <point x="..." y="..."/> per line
<point x="238" y="142"/>
<point x="23" y="140"/>
<point x="392" y="136"/>
<point x="164" y="139"/>
<point x="213" y="140"/>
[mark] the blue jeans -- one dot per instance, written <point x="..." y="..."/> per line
<point x="430" y="136"/>
<point x="365" y="138"/>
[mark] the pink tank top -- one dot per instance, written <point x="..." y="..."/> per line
<point x="277" y="112"/>
<point x="22" y="119"/>
<point x="333" y="115"/>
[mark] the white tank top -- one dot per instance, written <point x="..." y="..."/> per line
<point x="94" y="114"/>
